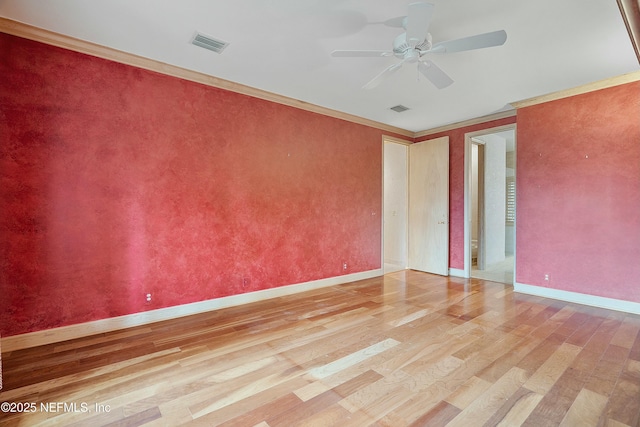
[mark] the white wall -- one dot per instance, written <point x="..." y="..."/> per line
<point x="395" y="206"/>
<point x="510" y="239"/>
<point x="494" y="198"/>
<point x="474" y="192"/>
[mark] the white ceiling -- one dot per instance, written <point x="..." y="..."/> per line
<point x="284" y="46"/>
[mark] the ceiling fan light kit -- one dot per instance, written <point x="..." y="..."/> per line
<point x="416" y="42"/>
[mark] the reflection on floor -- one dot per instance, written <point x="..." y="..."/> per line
<point x="499" y="272"/>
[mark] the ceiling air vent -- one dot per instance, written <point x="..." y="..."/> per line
<point x="208" y="42"/>
<point x="399" y="108"/>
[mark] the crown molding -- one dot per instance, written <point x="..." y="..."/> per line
<point x="20" y="29"/>
<point x="465" y="123"/>
<point x="387" y="138"/>
<point x="589" y="87"/>
<point x="579" y="90"/>
<point x="31" y="32"/>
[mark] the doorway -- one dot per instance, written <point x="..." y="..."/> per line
<point x="490" y="204"/>
<point x="416" y="205"/>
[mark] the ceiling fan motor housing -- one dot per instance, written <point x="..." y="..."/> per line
<point x="402" y="49"/>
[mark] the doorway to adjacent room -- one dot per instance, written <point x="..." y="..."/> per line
<point x="490" y="204"/>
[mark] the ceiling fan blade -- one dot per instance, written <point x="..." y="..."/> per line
<point x="439" y="78"/>
<point x="397" y="22"/>
<point x="360" y="53"/>
<point x="374" y="82"/>
<point x="418" y="21"/>
<point x="480" y="41"/>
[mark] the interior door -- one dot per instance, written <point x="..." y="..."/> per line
<point x="429" y="206"/>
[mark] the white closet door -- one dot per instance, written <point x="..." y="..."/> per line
<point x="429" y="206"/>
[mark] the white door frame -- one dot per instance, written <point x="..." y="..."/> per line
<point x="467" y="190"/>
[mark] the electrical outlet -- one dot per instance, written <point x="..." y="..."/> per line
<point x="245" y="282"/>
<point x="148" y="298"/>
<point x="344" y="265"/>
<point x="546" y="277"/>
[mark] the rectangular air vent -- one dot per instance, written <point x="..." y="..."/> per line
<point x="399" y="108"/>
<point x="208" y="42"/>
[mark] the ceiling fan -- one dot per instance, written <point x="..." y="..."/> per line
<point x="412" y="45"/>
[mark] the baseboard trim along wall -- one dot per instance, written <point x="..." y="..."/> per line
<point x="456" y="272"/>
<point x="49" y="336"/>
<point x="578" y="298"/>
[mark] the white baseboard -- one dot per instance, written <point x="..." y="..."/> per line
<point x="49" y="336"/>
<point x="457" y="272"/>
<point x="578" y="298"/>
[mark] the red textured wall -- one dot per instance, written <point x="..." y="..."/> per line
<point x="578" y="193"/>
<point x="116" y="181"/>
<point x="456" y="184"/>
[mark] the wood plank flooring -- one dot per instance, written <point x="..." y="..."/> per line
<point x="405" y="349"/>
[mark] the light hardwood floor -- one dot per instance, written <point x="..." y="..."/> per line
<point x="405" y="349"/>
